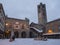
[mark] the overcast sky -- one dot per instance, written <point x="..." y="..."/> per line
<point x="28" y="8"/>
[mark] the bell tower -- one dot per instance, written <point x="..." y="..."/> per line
<point x="42" y="18"/>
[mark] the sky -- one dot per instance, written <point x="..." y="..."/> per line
<point x="28" y="8"/>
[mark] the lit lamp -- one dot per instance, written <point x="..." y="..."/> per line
<point x="6" y="24"/>
<point x="49" y="31"/>
<point x="7" y="31"/>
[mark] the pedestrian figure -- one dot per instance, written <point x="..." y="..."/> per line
<point x="12" y="38"/>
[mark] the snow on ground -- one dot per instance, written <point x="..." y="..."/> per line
<point x="29" y="41"/>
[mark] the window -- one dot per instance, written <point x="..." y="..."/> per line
<point x="16" y="26"/>
<point x="53" y="28"/>
<point x="22" y="26"/>
<point x="59" y="28"/>
<point x="17" y="23"/>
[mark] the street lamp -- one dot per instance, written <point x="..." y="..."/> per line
<point x="7" y="31"/>
<point x="50" y="31"/>
<point x="6" y="24"/>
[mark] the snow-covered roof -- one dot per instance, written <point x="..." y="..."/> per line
<point x="51" y="33"/>
<point x="37" y="29"/>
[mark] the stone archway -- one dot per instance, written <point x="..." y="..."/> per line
<point x="16" y="33"/>
<point x="31" y="34"/>
<point x="7" y="34"/>
<point x="23" y="35"/>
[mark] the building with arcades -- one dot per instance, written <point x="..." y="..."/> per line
<point x="18" y="26"/>
<point x="22" y="28"/>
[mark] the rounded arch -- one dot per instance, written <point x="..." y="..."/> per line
<point x="31" y="34"/>
<point x="23" y="34"/>
<point x="7" y="33"/>
<point x="16" y="33"/>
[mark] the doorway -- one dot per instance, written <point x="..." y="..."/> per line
<point x="16" y="34"/>
<point x="23" y="35"/>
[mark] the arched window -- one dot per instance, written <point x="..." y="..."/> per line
<point x="22" y="26"/>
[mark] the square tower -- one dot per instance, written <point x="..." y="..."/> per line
<point x="42" y="18"/>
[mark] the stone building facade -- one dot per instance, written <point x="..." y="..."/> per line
<point x="22" y="28"/>
<point x="2" y="20"/>
<point x="53" y="29"/>
<point x="18" y="26"/>
<point x="54" y="26"/>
